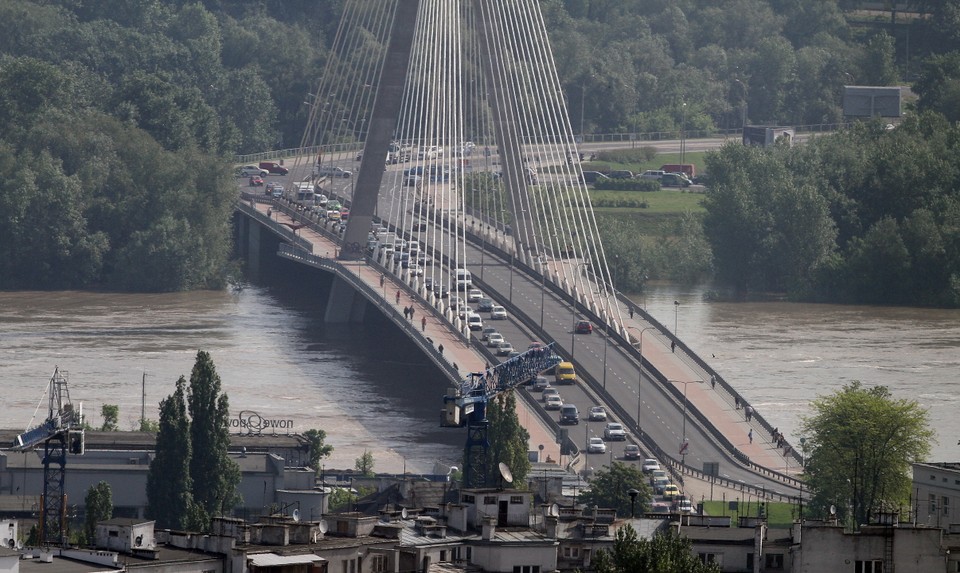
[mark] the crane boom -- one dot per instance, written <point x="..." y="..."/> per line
<point x="467" y="405"/>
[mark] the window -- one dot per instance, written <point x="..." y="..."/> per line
<point x="874" y="566"/>
<point x="773" y="560"/>
<point x="516" y="499"/>
<point x="443" y="555"/>
<point x="468" y="498"/>
<point x="709" y="558"/>
<point x="378" y="563"/>
<point x="489" y="500"/>
<point x="571" y="552"/>
<point x="933" y="503"/>
<point x="945" y="503"/>
<point x="526" y="569"/>
<point x="462" y="553"/>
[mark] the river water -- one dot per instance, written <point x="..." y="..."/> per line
<point x="370" y="389"/>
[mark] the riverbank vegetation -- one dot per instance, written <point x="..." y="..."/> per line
<point x="122" y="118"/>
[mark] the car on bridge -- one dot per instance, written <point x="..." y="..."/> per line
<point x="333" y="171"/>
<point x="631" y="452"/>
<point x="596" y="446"/>
<point x="486" y="332"/>
<point x="553" y="403"/>
<point x="671" y="491"/>
<point x="547" y="392"/>
<point x="598" y="414"/>
<point x="498" y="313"/>
<point x="504" y="349"/>
<point x="474" y="295"/>
<point x="485" y="305"/>
<point x="569" y="414"/>
<point x="494" y="340"/>
<point x="614" y="432"/>
<point x="649" y="465"/>
<point x="584" y="327"/>
<point x="474" y="322"/>
<point x="540" y="383"/>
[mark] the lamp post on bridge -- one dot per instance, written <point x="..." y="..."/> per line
<point x="640" y="368"/>
<point x="573" y="310"/>
<point x="676" y="315"/>
<point x="683" y="443"/>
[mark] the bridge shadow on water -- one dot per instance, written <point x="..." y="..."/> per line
<point x="370" y="369"/>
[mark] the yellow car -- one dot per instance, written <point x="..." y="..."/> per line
<point x="671" y="491"/>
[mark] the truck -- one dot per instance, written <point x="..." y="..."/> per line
<point x="688" y="169"/>
<point x="304" y="192"/>
<point x="766" y="136"/>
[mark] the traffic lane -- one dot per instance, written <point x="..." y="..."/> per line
<point x="664" y="423"/>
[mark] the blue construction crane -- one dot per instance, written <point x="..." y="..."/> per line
<point x="62" y="430"/>
<point x="468" y="406"/>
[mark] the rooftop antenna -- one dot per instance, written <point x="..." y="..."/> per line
<point x="143" y="399"/>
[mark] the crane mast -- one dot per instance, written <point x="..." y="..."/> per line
<point x="60" y="433"/>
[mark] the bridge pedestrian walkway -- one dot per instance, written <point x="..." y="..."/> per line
<point x="730" y="418"/>
<point x="438" y="331"/>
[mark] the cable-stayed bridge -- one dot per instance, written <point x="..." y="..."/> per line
<point x="443" y="126"/>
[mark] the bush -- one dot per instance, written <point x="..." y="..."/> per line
<point x="638" y="155"/>
<point x="622" y="203"/>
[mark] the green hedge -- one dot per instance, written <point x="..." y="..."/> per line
<point x="627" y="185"/>
<point x="628" y="203"/>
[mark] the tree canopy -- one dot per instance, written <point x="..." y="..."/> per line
<point x="663" y="553"/>
<point x="509" y="440"/>
<point x="609" y="488"/>
<point x="859" y="450"/>
<point x="98" y="505"/>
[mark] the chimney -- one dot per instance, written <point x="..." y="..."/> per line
<point x="489" y="528"/>
<point x="551" y="522"/>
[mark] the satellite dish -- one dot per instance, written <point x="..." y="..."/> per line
<point x="403" y="513"/>
<point x="296" y="515"/>
<point x="833" y="510"/>
<point x="554" y="510"/>
<point x="139" y="540"/>
<point x="19" y="544"/>
<point x="505" y="473"/>
<point x="322" y="526"/>
<point x="12" y="543"/>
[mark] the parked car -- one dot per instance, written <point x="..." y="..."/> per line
<point x="498" y="313"/>
<point x="598" y="414"/>
<point x="593" y="176"/>
<point x="596" y="446"/>
<point x="494" y="339"/>
<point x="553" y="403"/>
<point x="675" y="180"/>
<point x="649" y="465"/>
<point x="333" y="171"/>
<point x="614" y="432"/>
<point x="274" y="167"/>
<point x="631" y="452"/>
<point x="250" y="170"/>
<point x="621" y="174"/>
<point x="652" y="174"/>
<point x="584" y="327"/>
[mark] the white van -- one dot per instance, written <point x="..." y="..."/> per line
<point x="464" y="279"/>
<point x="474" y="321"/>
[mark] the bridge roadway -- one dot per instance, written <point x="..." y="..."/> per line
<point x="663" y="420"/>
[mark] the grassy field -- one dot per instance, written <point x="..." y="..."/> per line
<point x="667" y="200"/>
<point x="778" y="514"/>
<point x="695" y="158"/>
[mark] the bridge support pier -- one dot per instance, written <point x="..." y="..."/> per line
<point x="252" y="230"/>
<point x="345" y="303"/>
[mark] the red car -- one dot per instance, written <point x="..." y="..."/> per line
<point x="256" y="181"/>
<point x="584" y="327"/>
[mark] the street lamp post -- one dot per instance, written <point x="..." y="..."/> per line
<point x="640" y="368"/>
<point x="633" y="499"/>
<point x="606" y="323"/>
<point x="676" y="315"/>
<point x="543" y="287"/>
<point x="683" y="126"/>
<point x="573" y="312"/>
<point x="683" y="442"/>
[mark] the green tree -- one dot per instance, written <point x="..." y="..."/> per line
<point x="318" y="449"/>
<point x="663" y="553"/>
<point x="169" y="487"/>
<point x="861" y="444"/>
<point x="110" y="414"/>
<point x="609" y="487"/>
<point x="215" y="476"/>
<point x="99" y="507"/>
<point x="364" y="464"/>
<point x="509" y="441"/>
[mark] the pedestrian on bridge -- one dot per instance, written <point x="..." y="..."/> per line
<point x="398" y="297"/>
<point x="406" y="313"/>
<point x="440" y="349"/>
<point x="713" y="381"/>
<point x="381" y="280"/>
<point x="412" y="311"/>
<point x="750" y="435"/>
<point x="423" y="324"/>
<point x="631" y="313"/>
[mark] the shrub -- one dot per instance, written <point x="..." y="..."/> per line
<point x="628" y="185"/>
